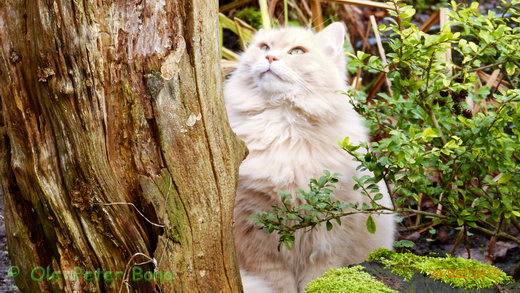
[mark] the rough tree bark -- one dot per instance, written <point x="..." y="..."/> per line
<point x="111" y="102"/>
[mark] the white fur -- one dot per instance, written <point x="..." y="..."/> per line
<point x="290" y="119"/>
<point x="254" y="284"/>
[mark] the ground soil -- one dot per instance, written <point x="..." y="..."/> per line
<point x="506" y="253"/>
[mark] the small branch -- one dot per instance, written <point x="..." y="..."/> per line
<point x="233" y="5"/>
<point x="130" y="204"/>
<point x="444" y="20"/>
<point x="433" y="19"/>
<point x="398" y="18"/>
<point x="129" y="265"/>
<point x="427" y="108"/>
<point x="516" y="223"/>
<point x="390" y="193"/>
<point x="436" y="125"/>
<point x="381" y="52"/>
<point x="317" y="15"/>
<point x="272" y="8"/>
<point x="402" y="210"/>
<point x="362" y="3"/>
<point x="459" y="238"/>
<point x="493" y="241"/>
<point x="499" y="235"/>
<point x="477" y="69"/>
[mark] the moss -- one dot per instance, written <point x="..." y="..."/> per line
<point x="345" y="280"/>
<point x="456" y="271"/>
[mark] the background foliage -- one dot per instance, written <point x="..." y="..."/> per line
<point x="440" y="134"/>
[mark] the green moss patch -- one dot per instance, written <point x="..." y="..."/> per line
<point x="456" y="271"/>
<point x="342" y="280"/>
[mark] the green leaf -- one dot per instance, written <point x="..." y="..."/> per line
<point x="371" y="225"/>
<point x="431" y="39"/>
<point x="452" y="144"/>
<point x="428" y="133"/>
<point x="362" y="55"/>
<point x="288" y="243"/>
<point x="403" y="243"/>
<point x="329" y="226"/>
<point x="516" y="213"/>
<point x="473" y="46"/>
<point x="504" y="178"/>
<point x="510" y="68"/>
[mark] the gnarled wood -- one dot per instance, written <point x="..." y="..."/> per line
<point x="112" y="102"/>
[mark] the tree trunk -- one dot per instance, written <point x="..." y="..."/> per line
<point x="115" y="147"/>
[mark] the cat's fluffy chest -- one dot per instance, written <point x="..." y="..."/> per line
<point x="286" y="149"/>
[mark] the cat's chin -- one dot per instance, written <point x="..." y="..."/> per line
<point x="273" y="85"/>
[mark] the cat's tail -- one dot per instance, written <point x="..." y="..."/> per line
<point x="254" y="284"/>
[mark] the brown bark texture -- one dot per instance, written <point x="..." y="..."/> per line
<point x="115" y="147"/>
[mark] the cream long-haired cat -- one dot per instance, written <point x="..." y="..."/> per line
<point x="284" y="102"/>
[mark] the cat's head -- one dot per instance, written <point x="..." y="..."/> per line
<point x="296" y="60"/>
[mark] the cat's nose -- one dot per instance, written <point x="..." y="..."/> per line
<point x="270" y="58"/>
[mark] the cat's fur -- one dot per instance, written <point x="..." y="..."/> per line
<point x="290" y="119"/>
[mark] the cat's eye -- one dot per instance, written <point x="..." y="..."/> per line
<point x="264" y="46"/>
<point x="297" y="51"/>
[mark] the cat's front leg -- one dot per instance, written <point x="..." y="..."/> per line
<point x="281" y="280"/>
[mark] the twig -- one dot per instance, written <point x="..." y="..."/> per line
<point x="128" y="264"/>
<point x="306" y="7"/>
<point x="466" y="242"/>
<point x="437" y="126"/>
<point x="459" y="238"/>
<point x="433" y="19"/>
<point x="233" y="5"/>
<point x="362" y="3"/>
<point x="499" y="235"/>
<point x="375" y="88"/>
<point x="419" y="227"/>
<point x="419" y="206"/>
<point x="516" y="223"/>
<point x="130" y="204"/>
<point x="272" y="8"/>
<point x="444" y="22"/>
<point x="317" y="15"/>
<point x="493" y="240"/>
<point x="301" y="16"/>
<point x="495" y="179"/>
<point x="399" y="24"/>
<point x="381" y="52"/>
<point x="390" y="193"/>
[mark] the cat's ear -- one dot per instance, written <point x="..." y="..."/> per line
<point x="332" y="38"/>
<point x="259" y="35"/>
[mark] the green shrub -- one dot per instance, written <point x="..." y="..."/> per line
<point x="431" y="145"/>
